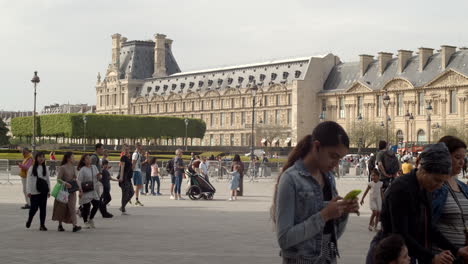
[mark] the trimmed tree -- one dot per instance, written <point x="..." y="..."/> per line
<point x="4" y="138"/>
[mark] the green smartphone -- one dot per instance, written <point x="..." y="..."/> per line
<point x="352" y="195"/>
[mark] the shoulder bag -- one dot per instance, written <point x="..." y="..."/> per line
<point x="88" y="186"/>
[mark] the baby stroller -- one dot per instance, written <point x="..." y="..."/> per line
<point x="199" y="187"/>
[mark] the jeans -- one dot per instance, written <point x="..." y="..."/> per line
<point x="127" y="193"/>
<point x="155" y="179"/>
<point x="86" y="208"/>
<point x="105" y="199"/>
<point x="178" y="183"/>
<point x="38" y="201"/>
<point x="26" y="198"/>
<point x="148" y="180"/>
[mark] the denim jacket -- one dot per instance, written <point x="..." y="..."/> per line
<point x="439" y="197"/>
<point x="299" y="225"/>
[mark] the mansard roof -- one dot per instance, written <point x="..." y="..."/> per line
<point x="344" y="75"/>
<point x="264" y="74"/>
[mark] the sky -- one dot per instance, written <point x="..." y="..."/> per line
<point x="69" y="42"/>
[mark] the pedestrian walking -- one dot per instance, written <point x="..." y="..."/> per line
<point x="38" y="189"/>
<point x="234" y="182"/>
<point x="450" y="203"/>
<point x="387" y="164"/>
<point x="24" y="167"/>
<point x="237" y="161"/>
<point x="88" y="177"/>
<point x="106" y="197"/>
<point x="66" y="213"/>
<point x="179" y="173"/>
<point x="125" y="179"/>
<point x="137" y="177"/>
<point x="308" y="214"/>
<point x="375" y="199"/>
<point x="406" y="167"/>
<point x="407" y="209"/>
<point x="53" y="164"/>
<point x="155" y="176"/>
<point x="146" y="172"/>
<point x="392" y="250"/>
<point x="96" y="161"/>
<point x="204" y="168"/>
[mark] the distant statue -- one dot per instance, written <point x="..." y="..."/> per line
<point x="98" y="77"/>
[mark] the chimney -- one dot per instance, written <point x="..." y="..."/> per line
<point x="116" y="44"/>
<point x="403" y="57"/>
<point x="160" y="56"/>
<point x="424" y="54"/>
<point x="169" y="43"/>
<point x="365" y="60"/>
<point x="384" y="58"/>
<point x="446" y="52"/>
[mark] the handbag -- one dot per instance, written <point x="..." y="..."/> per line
<point x="465" y="229"/>
<point x="62" y="195"/>
<point x="41" y="185"/>
<point x="58" y="186"/>
<point x="74" y="186"/>
<point x="88" y="186"/>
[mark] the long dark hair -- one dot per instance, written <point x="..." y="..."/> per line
<point x="453" y="143"/>
<point x="82" y="163"/>
<point x="153" y="160"/>
<point x="328" y="133"/>
<point x="66" y="157"/>
<point x="236" y="158"/>
<point x="389" y="249"/>
<point x="36" y="164"/>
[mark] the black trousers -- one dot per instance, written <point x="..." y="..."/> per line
<point x="86" y="208"/>
<point x="38" y="202"/>
<point x="147" y="181"/>
<point x="105" y="200"/>
<point x="127" y="193"/>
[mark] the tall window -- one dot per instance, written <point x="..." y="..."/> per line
<point x="183" y="106"/>
<point x="266" y="100"/>
<point x="342" y="107"/>
<point x="243" y="140"/>
<point x="232" y="102"/>
<point x="277" y="100"/>
<point x="212" y="104"/>
<point x="202" y="105"/>
<point x="165" y="107"/>
<point x="134" y="109"/>
<point x="141" y="109"/>
<point x="221" y="120"/>
<point x="242" y="118"/>
<point x="221" y="140"/>
<point x="453" y="102"/>
<point x="265" y="117"/>
<point x="114" y="99"/>
<point x="231" y="140"/>
<point x="193" y="106"/>
<point x="324" y="105"/>
<point x="289" y="99"/>
<point x="277" y="117"/>
<point x="221" y="104"/>
<point x="149" y="109"/>
<point x="211" y="120"/>
<point x="107" y="100"/>
<point x="421" y="103"/>
<point x="359" y="105"/>
<point x="379" y="102"/>
<point x="175" y="107"/>
<point x="123" y="98"/>
<point x="289" y="116"/>
<point x="399" y="104"/>
<point x="101" y="98"/>
<point x="232" y="118"/>
<point x="211" y="140"/>
<point x="157" y="108"/>
<point x="243" y="101"/>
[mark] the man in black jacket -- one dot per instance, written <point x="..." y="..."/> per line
<point x="407" y="208"/>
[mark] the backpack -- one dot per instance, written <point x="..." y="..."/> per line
<point x="170" y="166"/>
<point x="390" y="162"/>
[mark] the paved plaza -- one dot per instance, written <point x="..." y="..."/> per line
<point x="166" y="231"/>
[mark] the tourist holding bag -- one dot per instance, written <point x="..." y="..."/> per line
<point x="38" y="190"/>
<point x="88" y="178"/>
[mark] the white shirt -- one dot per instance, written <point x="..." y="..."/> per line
<point x="376" y="190"/>
<point x="31" y="180"/>
<point x="136" y="156"/>
<point x="204" y="168"/>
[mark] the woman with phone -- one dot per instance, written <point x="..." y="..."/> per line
<point x="308" y="214"/>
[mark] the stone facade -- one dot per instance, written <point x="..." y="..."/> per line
<point x="412" y="82"/>
<point x="144" y="79"/>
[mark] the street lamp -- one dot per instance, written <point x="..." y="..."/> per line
<point x="359" y="118"/>
<point x="386" y="101"/>
<point x="186" y="125"/>
<point x="429" y="112"/>
<point x="85" y="120"/>
<point x="322" y="116"/>
<point x="254" y="90"/>
<point x="34" y="80"/>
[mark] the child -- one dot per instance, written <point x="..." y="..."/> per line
<point x="106" y="188"/>
<point x="376" y="197"/>
<point x="234" y="183"/>
<point x="155" y="176"/>
<point x="391" y="250"/>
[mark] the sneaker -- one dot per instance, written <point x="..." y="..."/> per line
<point x="76" y="228"/>
<point x="125" y="213"/>
<point x="107" y="216"/>
<point x="139" y="203"/>
<point x="181" y="198"/>
<point x="87" y="225"/>
<point x="172" y="197"/>
<point x="231" y="199"/>
<point x="26" y="206"/>
<point x="371" y="228"/>
<point x="28" y="224"/>
<point x="60" y="228"/>
<point x="91" y="223"/>
<point x="159" y="194"/>
<point x="43" y="228"/>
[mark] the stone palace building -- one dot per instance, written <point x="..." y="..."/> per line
<point x="145" y="79"/>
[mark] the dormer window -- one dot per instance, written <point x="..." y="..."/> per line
<point x="156" y="88"/>
<point x="297" y="74"/>
<point x="165" y="87"/>
<point x="251" y="78"/>
<point x="262" y="77"/>
<point x="174" y="86"/>
<point x="285" y="75"/>
<point x="230" y="81"/>
<point x="220" y="82"/>
<point x="148" y="89"/>
<point x="240" y="79"/>
<point x="273" y="76"/>
<point x="182" y="85"/>
<point x="200" y="83"/>
<point x="191" y="84"/>
<point x="210" y="82"/>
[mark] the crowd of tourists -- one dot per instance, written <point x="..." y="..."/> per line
<point x="422" y="208"/>
<point x="89" y="183"/>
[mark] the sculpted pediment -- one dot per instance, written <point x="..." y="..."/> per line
<point x="359" y="88"/>
<point x="398" y="84"/>
<point x="192" y="96"/>
<point x="449" y="78"/>
<point x="231" y="92"/>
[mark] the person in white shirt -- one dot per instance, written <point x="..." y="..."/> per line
<point x="204" y="168"/>
<point x="376" y="197"/>
<point x="137" y="178"/>
<point x="38" y="189"/>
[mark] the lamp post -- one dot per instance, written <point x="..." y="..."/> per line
<point x="186" y="126"/>
<point x="407" y="118"/>
<point x="34" y="80"/>
<point x="386" y="101"/>
<point x="429" y="112"/>
<point x="253" y="171"/>
<point x="85" y="120"/>
<point x="359" y="118"/>
<point x="322" y="116"/>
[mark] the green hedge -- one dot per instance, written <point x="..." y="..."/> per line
<point x="108" y="126"/>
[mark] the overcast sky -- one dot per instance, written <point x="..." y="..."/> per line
<point x="69" y="42"/>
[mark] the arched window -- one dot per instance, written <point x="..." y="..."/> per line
<point x="421" y="136"/>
